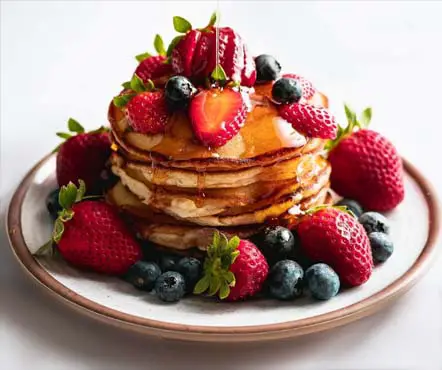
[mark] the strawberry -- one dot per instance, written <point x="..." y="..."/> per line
<point x="182" y="54"/>
<point x="91" y="235"/>
<point x="307" y="88"/>
<point x="366" y="166"/>
<point x="234" y="269"/>
<point x="153" y="67"/>
<point x="217" y="115"/>
<point x="194" y="54"/>
<point x="309" y="120"/>
<point x="83" y="155"/>
<point x="145" y="107"/>
<point x="334" y="237"/>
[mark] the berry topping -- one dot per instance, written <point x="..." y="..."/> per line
<point x="178" y="91"/>
<point x="286" y="90"/>
<point x="285" y="280"/>
<point x="142" y="275"/>
<point x="168" y="262"/>
<point x="234" y="269"/>
<point x="306" y="86"/>
<point x="267" y="68"/>
<point x="217" y="115"/>
<point x="276" y="243"/>
<point x="381" y="246"/>
<point x="191" y="270"/>
<point x="351" y="205"/>
<point x="322" y="281"/>
<point x="183" y="52"/>
<point x="309" y="120"/>
<point x="366" y="165"/>
<point x="374" y="222"/>
<point x="170" y="286"/>
<point x="153" y="67"/>
<point x="334" y="237"/>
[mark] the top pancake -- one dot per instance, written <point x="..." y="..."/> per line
<point x="264" y="139"/>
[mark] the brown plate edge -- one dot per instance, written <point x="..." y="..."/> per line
<point x="223" y="334"/>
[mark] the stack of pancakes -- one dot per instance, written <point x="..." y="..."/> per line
<point x="176" y="192"/>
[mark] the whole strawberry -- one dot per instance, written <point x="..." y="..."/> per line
<point x="366" y="166"/>
<point x="82" y="156"/>
<point x="195" y="54"/>
<point x="234" y="269"/>
<point x="145" y="107"/>
<point x="91" y="235"/>
<point x="154" y="67"/>
<point x="334" y="237"/>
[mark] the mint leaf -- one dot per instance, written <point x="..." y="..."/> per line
<point x="122" y="100"/>
<point x="137" y="84"/>
<point x="172" y="45"/>
<point x="74" y="126"/>
<point x="366" y="117"/>
<point x="126" y="84"/>
<point x="202" y="285"/>
<point x="351" y="116"/>
<point x="159" y="45"/>
<point x="63" y="135"/>
<point x="181" y="25"/>
<point x="143" y="56"/>
<point x="219" y="74"/>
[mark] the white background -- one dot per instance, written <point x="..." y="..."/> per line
<point x="62" y="59"/>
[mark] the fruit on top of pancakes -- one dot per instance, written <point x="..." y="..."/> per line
<point x="217" y="115"/>
<point x="145" y="106"/>
<point x="83" y="155"/>
<point x="233" y="269"/>
<point x="194" y="54"/>
<point x="366" y="165"/>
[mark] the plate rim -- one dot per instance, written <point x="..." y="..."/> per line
<point x="286" y="329"/>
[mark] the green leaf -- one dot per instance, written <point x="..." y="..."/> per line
<point x="137" y="84"/>
<point x="219" y="74"/>
<point x="172" y="44"/>
<point x="202" y="285"/>
<point x="366" y="117"/>
<point x="126" y="84"/>
<point x="149" y="85"/>
<point x="351" y="116"/>
<point x="122" y="100"/>
<point x="213" y="18"/>
<point x="181" y="25"/>
<point x="81" y="190"/>
<point x="159" y="45"/>
<point x="63" y="135"/>
<point x="234" y="256"/>
<point x="233" y="243"/>
<point x="230" y="278"/>
<point x="143" y="56"/>
<point x="74" y="126"/>
<point x="215" y="284"/>
<point x="58" y="230"/>
<point x="67" y="195"/>
<point x="224" y="291"/>
<point x="46" y="249"/>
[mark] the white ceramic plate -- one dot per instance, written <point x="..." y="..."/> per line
<point x="414" y="230"/>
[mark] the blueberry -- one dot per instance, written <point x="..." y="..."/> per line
<point x="276" y="243"/>
<point x="322" y="281"/>
<point x="286" y="90"/>
<point x="191" y="270"/>
<point x="267" y="68"/>
<point x="373" y="221"/>
<point x="179" y="90"/>
<point x="52" y="204"/>
<point x="352" y="205"/>
<point x="168" y="262"/>
<point x="170" y="286"/>
<point x="381" y="246"/>
<point x="143" y="275"/>
<point x="285" y="280"/>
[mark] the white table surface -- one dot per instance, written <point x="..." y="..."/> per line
<point x="62" y="59"/>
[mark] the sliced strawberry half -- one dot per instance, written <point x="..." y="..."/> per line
<point x="307" y="88"/>
<point x="201" y="55"/>
<point x="217" y="116"/>
<point x="310" y="120"/>
<point x="153" y="67"/>
<point x="183" y="53"/>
